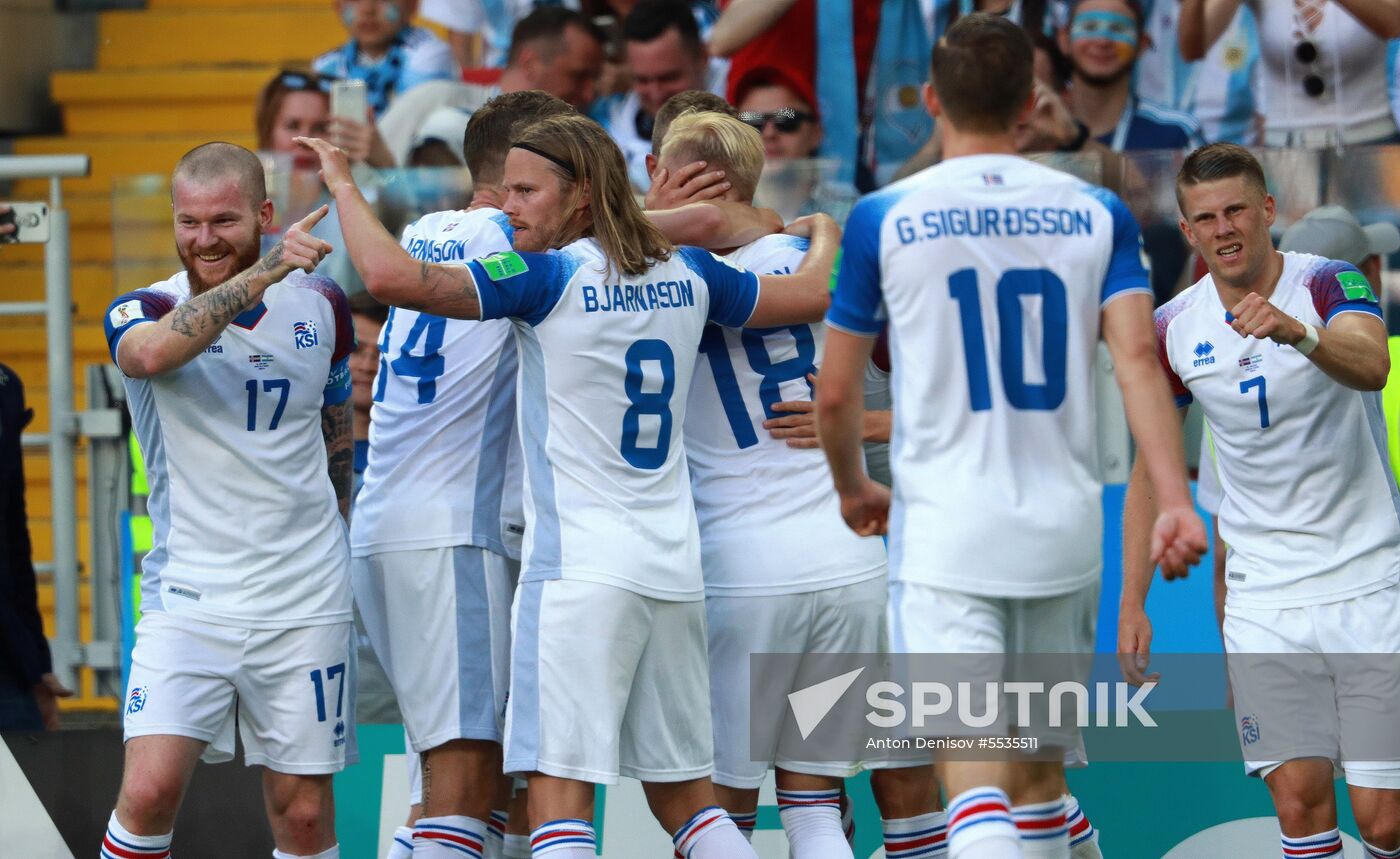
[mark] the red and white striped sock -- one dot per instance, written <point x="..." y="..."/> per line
<point x="922" y="837"/>
<point x="710" y="834"/>
<point x="746" y="823"/>
<point x="451" y="836"/>
<point x="812" y="821"/>
<point x="120" y="844"/>
<point x="1044" y="832"/>
<point x="569" y="838"/>
<point x="1083" y="837"/>
<point x="980" y="826"/>
<point x="1319" y="846"/>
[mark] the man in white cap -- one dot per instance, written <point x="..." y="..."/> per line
<point x="1334" y="232"/>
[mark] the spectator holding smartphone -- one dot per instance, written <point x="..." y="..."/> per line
<point x="385" y="51"/>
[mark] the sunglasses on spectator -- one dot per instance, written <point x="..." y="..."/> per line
<point x="785" y="119"/>
<point x="1306" y="53"/>
<point x="300" y="82"/>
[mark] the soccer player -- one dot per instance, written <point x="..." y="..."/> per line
<point x="781" y="573"/>
<point x="1286" y="354"/>
<point x="997" y="277"/>
<point x="237" y="382"/>
<point x="437" y="527"/>
<point x="608" y="673"/>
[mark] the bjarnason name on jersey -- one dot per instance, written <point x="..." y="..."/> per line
<point x="634" y="298"/>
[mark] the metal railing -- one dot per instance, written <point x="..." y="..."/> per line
<point x="62" y="437"/>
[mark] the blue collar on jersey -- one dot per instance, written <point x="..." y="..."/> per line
<point x="250" y="318"/>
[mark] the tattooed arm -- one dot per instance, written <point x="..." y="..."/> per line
<point x="178" y="336"/>
<point x="390" y="274"/>
<point x="337" y="424"/>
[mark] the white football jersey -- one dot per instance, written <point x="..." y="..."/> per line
<point x="605" y="364"/>
<point x="1309" y="506"/>
<point x="247" y="528"/>
<point x="992" y="272"/>
<point x="770" y="521"/>
<point x="444" y="456"/>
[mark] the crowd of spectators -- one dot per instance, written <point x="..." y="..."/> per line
<point x="843" y="80"/>
<point x="836" y="87"/>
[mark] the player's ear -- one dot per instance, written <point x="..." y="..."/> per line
<point x="1270" y="209"/>
<point x="651" y="164"/>
<point x="265" y="213"/>
<point x="1186" y="231"/>
<point x="931" y="102"/>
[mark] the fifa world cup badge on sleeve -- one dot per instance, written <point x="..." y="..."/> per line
<point x="1355" y="287"/>
<point x="130" y="310"/>
<point x="503" y="265"/>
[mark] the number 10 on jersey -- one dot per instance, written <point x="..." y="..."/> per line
<point x="1011" y="287"/>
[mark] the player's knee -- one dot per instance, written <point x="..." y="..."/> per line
<point x="1380" y="828"/>
<point x="148" y="802"/>
<point x="1301" y="810"/>
<point x="303" y="818"/>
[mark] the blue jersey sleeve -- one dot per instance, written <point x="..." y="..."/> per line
<point x="128" y="311"/>
<point x="733" y="290"/>
<point x="521" y="286"/>
<point x="857" y="306"/>
<point x="1127" y="265"/>
<point x="1338" y="287"/>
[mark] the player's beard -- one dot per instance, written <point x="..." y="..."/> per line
<point x="243" y="257"/>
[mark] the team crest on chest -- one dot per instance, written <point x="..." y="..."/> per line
<point x="304" y="334"/>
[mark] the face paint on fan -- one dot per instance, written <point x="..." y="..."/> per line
<point x="1120" y="29"/>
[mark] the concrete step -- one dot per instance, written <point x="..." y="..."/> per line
<point x="204" y="35"/>
<point x="212" y="101"/>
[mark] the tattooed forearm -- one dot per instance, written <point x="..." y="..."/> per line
<point x="337" y="427"/>
<point x="212" y="310"/>
<point x="446" y="290"/>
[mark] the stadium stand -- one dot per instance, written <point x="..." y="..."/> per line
<point x="154" y="94"/>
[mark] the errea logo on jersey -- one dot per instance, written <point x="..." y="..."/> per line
<point x="304" y="334"/>
<point x="1203" y="356"/>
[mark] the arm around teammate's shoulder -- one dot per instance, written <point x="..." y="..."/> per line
<point x="186" y="330"/>
<point x="804" y="295"/>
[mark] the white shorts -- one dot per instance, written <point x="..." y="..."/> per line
<point x="848" y="619"/>
<point x="439" y="620"/>
<point x="1357" y="694"/>
<point x="930" y="620"/>
<point x="605" y="682"/>
<point x="290" y="692"/>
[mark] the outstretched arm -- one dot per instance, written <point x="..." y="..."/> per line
<point x="390" y="274"/>
<point x="178" y="336"/>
